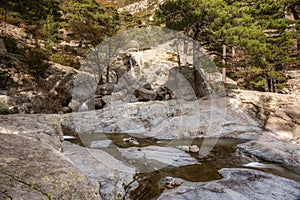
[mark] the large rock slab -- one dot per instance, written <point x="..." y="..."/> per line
<point x="105" y="171"/>
<point x="163" y="120"/>
<point x="274" y="151"/>
<point x="277" y="113"/>
<point x="167" y="156"/>
<point x="30" y="169"/>
<point x="237" y="184"/>
<point x="172" y="119"/>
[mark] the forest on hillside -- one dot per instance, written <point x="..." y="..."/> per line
<point x="257" y="41"/>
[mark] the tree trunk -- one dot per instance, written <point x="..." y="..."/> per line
<point x="271" y="85"/>
<point x="224" y="54"/>
<point x="224" y="74"/>
<point x="298" y="49"/>
<point x="266" y="83"/>
<point x="178" y="53"/>
<point x="275" y="87"/>
<point x="107" y="74"/>
<point x="185" y="51"/>
<point x="5" y="18"/>
<point x="201" y="88"/>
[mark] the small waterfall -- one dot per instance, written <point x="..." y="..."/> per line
<point x="261" y="165"/>
<point x="132" y="73"/>
<point x="83" y="107"/>
<point x="69" y="137"/>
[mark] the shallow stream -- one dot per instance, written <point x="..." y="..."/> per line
<point x="148" y="184"/>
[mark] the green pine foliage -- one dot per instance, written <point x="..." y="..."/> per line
<point x="92" y="23"/>
<point x="65" y="59"/>
<point x="51" y="31"/>
<point x="30" y="13"/>
<point x="265" y="34"/>
<point x="264" y="37"/>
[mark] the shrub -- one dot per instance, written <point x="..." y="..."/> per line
<point x="65" y="59"/>
<point x="13" y="18"/>
<point x="34" y="58"/>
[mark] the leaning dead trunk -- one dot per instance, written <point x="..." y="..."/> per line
<point x="266" y="84"/>
<point x="201" y="88"/>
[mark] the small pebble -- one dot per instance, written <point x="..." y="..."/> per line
<point x="170" y="182"/>
<point x="131" y="140"/>
<point x="194" y="149"/>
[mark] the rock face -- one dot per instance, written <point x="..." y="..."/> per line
<point x="50" y="93"/>
<point x="141" y="5"/>
<point x="36" y="170"/>
<point x="293" y="83"/>
<point x="277" y="113"/>
<point x="100" y="144"/>
<point x="47" y="95"/>
<point x="237" y="184"/>
<point x="273" y="150"/>
<point x="106" y="172"/>
<point x="31" y="165"/>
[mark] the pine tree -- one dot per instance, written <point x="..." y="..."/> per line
<point x="92" y="23"/>
<point x="262" y="31"/>
<point x="262" y="37"/>
<point x="51" y="31"/>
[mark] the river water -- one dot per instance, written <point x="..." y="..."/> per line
<point x="147" y="183"/>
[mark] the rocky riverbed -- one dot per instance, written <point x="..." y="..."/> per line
<point x="43" y="166"/>
<point x="143" y="138"/>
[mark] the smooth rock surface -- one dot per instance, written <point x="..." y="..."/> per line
<point x="105" y="171"/>
<point x="174" y="119"/>
<point x="100" y="144"/>
<point x="45" y="128"/>
<point x="274" y="151"/>
<point x="164" y="155"/>
<point x="237" y="184"/>
<point x="168" y="119"/>
<point x="36" y="170"/>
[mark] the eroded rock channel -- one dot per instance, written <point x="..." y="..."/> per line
<point x="149" y="168"/>
<point x="247" y="161"/>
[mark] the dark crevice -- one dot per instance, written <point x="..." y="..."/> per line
<point x="127" y="186"/>
<point x="7" y="195"/>
<point x="257" y="112"/>
<point x="292" y="118"/>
